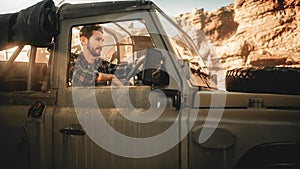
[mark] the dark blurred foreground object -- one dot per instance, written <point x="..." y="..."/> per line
<point x="280" y="80"/>
<point x="35" y="25"/>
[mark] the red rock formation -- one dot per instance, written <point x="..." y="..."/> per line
<point x="248" y="32"/>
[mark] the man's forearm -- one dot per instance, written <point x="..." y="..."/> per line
<point x="104" y="77"/>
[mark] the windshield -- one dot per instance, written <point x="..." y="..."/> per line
<point x="185" y="50"/>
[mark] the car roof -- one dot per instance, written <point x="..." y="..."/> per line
<point x="70" y="11"/>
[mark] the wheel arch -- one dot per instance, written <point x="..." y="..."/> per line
<point x="271" y="156"/>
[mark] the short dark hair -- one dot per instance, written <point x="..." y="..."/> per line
<point x="87" y="30"/>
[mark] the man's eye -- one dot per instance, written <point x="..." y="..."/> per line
<point x="100" y="39"/>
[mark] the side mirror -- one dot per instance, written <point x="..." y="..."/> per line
<point x="154" y="72"/>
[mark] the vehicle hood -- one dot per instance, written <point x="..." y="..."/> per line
<point x="223" y="99"/>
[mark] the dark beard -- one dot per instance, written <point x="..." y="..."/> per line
<point x="93" y="50"/>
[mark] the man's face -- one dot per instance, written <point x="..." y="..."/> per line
<point x="95" y="43"/>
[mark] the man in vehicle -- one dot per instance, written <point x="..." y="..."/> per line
<point x="89" y="60"/>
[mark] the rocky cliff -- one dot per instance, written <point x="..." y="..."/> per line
<point x="246" y="33"/>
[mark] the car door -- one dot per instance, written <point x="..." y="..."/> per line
<point x="132" y="126"/>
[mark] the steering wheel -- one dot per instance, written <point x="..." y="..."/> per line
<point x="135" y="70"/>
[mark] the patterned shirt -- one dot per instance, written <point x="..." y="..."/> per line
<point x="84" y="72"/>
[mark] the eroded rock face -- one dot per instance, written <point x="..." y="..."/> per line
<point x="246" y="33"/>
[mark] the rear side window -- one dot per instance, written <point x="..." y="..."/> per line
<point x="15" y="74"/>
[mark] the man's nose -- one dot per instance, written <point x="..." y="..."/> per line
<point x="101" y="42"/>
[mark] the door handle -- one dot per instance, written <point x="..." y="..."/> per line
<point x="74" y="129"/>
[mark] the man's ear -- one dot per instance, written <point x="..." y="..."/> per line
<point x="83" y="40"/>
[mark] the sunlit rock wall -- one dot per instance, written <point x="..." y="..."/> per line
<point x="246" y="33"/>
